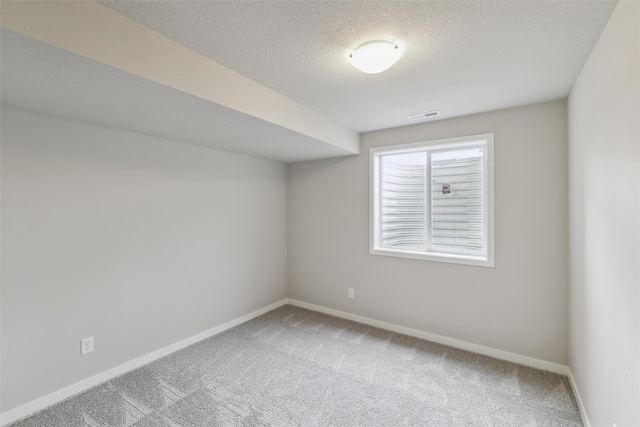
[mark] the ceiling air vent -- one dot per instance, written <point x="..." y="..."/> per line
<point x="428" y="115"/>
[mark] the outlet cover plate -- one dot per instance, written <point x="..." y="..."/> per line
<point x="87" y="345"/>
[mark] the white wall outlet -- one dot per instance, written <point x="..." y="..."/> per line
<point x="350" y="293"/>
<point x="87" y="345"/>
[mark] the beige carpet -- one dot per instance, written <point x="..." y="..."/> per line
<point x="295" y="367"/>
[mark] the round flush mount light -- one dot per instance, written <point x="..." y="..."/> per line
<point x="375" y="57"/>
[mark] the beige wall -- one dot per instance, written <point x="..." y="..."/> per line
<point x="604" y="183"/>
<point x="137" y="241"/>
<point x="519" y="306"/>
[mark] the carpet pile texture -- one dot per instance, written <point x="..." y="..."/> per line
<point x="295" y="367"/>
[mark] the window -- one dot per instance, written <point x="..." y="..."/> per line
<point x="434" y="200"/>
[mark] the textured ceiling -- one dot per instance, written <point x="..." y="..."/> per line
<point x="84" y="61"/>
<point x="461" y="57"/>
<point x="158" y="67"/>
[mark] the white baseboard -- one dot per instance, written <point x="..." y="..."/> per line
<point x="476" y="348"/>
<point x="58" y="396"/>
<point x="576" y="393"/>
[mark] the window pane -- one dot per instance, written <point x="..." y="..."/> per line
<point x="403" y="197"/>
<point x="457" y="198"/>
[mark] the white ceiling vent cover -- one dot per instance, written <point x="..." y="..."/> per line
<point x="428" y="115"/>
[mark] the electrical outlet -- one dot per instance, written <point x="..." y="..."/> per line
<point x="87" y="345"/>
<point x="350" y="294"/>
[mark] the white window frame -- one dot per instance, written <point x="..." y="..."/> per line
<point x="486" y="141"/>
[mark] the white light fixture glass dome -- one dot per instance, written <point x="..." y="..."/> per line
<point x="375" y="57"/>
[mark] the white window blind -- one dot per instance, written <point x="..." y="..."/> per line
<point x="434" y="200"/>
<point x="404" y="201"/>
<point x="457" y="215"/>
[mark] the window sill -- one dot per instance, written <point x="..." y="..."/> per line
<point x="437" y="257"/>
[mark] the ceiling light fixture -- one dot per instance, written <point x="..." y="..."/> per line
<point x="375" y="57"/>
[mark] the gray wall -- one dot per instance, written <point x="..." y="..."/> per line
<point x="138" y="241"/>
<point x="604" y="183"/>
<point x="519" y="306"/>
